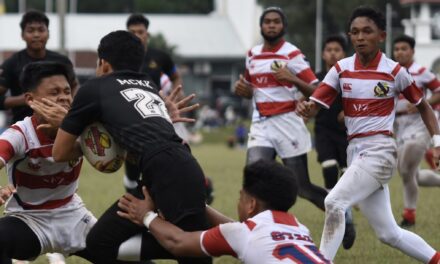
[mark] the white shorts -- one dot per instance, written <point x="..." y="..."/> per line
<point x="63" y="230"/>
<point x="375" y="154"/>
<point x="410" y="127"/>
<point x="286" y="133"/>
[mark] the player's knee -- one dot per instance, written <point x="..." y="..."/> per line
<point x="389" y="237"/>
<point x="333" y="206"/>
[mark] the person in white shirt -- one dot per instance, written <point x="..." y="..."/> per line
<point x="266" y="234"/>
<point x="370" y="84"/>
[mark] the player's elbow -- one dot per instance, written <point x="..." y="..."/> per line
<point x="57" y="154"/>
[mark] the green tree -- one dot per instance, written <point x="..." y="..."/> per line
<point x="158" y="41"/>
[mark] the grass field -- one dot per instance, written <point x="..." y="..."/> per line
<point x="225" y="165"/>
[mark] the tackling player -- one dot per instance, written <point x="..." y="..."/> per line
<point x="370" y="83"/>
<point x="44" y="213"/>
<point x="412" y="137"/>
<point x="127" y="103"/>
<point x="266" y="234"/>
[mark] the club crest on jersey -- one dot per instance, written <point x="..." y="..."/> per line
<point x="346" y="87"/>
<point x="97" y="141"/>
<point x="381" y="89"/>
<point x="276" y="65"/>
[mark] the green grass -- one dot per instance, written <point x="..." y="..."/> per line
<point x="225" y="165"/>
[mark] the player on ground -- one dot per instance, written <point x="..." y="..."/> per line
<point x="276" y="77"/>
<point x="44" y="213"/>
<point x="127" y="103"/>
<point x="412" y="137"/>
<point x="267" y="234"/>
<point x="35" y="32"/>
<point x="370" y="83"/>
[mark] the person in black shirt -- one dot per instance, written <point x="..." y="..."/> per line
<point x="330" y="135"/>
<point x="34" y="31"/>
<point x="155" y="63"/>
<point x="128" y="104"/>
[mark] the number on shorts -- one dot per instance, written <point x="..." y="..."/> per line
<point x="147" y="104"/>
<point x="299" y="253"/>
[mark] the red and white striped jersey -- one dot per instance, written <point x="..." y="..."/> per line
<point x="424" y="79"/>
<point x="41" y="183"/>
<point x="272" y="97"/>
<point x="269" y="237"/>
<point x="369" y="94"/>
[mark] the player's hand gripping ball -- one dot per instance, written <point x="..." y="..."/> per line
<point x="100" y="149"/>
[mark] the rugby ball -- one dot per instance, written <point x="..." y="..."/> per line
<point x="100" y="149"/>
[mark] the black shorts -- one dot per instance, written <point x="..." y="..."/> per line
<point x="331" y="144"/>
<point x="175" y="182"/>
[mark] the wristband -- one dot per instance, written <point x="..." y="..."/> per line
<point x="436" y="141"/>
<point x="148" y="218"/>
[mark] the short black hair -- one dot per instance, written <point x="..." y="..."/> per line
<point x="34" y="72"/>
<point x="135" y="19"/>
<point x="33" y="16"/>
<point x="272" y="183"/>
<point x="122" y="49"/>
<point x="373" y="14"/>
<point x="336" y="38"/>
<point x="405" y="38"/>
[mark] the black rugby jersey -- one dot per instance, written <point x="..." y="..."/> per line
<point x="10" y="77"/>
<point x="156" y="62"/>
<point x="128" y="104"/>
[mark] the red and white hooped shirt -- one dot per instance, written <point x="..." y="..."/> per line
<point x="269" y="237"/>
<point x="41" y="183"/>
<point x="270" y="96"/>
<point x="369" y="94"/>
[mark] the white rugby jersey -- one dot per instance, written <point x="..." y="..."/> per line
<point x="369" y="94"/>
<point x="270" y="96"/>
<point x="269" y="237"/>
<point x="429" y="84"/>
<point x="41" y="183"/>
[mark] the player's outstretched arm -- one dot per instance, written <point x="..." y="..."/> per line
<point x="215" y="217"/>
<point x="431" y="124"/>
<point x="52" y="113"/>
<point x="66" y="147"/>
<point x="171" y="237"/>
<point x="307" y="109"/>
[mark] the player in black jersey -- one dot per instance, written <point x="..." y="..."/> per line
<point x="34" y="31"/>
<point x="127" y="103"/>
<point x="155" y="63"/>
<point x="330" y="136"/>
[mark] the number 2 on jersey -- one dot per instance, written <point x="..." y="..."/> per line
<point x="299" y="254"/>
<point x="147" y="104"/>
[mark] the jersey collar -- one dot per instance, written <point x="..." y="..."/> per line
<point x="371" y="66"/>
<point x="276" y="48"/>
<point x="43" y="138"/>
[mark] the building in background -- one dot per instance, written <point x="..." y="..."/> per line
<point x="210" y="49"/>
<point x="424" y="26"/>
